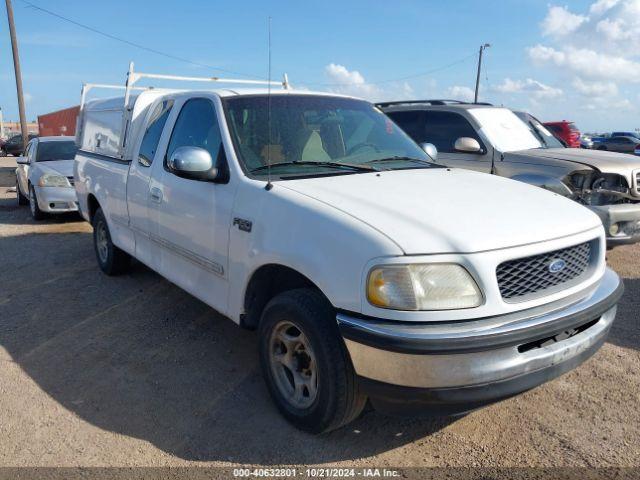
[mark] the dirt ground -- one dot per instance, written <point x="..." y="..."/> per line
<point x="133" y="371"/>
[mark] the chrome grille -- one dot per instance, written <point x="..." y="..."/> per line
<point x="638" y="181"/>
<point x="534" y="276"/>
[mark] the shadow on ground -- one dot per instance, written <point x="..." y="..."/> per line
<point x="138" y="356"/>
<point x="625" y="331"/>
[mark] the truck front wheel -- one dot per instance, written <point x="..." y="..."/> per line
<point x="305" y="364"/>
<point x="111" y="259"/>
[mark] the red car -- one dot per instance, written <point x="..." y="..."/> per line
<point x="565" y="131"/>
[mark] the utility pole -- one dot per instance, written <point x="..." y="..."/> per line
<point x="16" y="67"/>
<point x="482" y="48"/>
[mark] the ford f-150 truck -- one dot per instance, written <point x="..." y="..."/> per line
<point x="368" y="271"/>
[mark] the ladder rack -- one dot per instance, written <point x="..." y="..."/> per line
<point x="134" y="77"/>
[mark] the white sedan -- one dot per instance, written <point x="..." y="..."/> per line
<point x="44" y="177"/>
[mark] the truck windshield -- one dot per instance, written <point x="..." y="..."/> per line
<point x="505" y="131"/>
<point x="314" y="134"/>
<point x="48" y="151"/>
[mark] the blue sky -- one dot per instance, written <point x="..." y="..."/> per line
<point x="558" y="61"/>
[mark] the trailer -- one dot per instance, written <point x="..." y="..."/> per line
<point x="61" y="122"/>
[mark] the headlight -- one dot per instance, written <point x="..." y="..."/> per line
<point x="53" y="180"/>
<point x="435" y="286"/>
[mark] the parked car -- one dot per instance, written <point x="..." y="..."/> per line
<point x="14" y="145"/>
<point x="494" y="140"/>
<point x="619" y="144"/>
<point x="626" y="134"/>
<point x="44" y="177"/>
<point x="368" y="270"/>
<point x="586" y="142"/>
<point x="566" y="131"/>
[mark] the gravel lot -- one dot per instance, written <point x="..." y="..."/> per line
<point x="132" y="371"/>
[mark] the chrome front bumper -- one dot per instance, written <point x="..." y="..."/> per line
<point x="479" y="361"/>
<point x="625" y="216"/>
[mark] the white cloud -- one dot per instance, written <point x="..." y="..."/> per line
<point x="350" y="82"/>
<point x="595" y="89"/>
<point x="458" y="92"/>
<point x="601" y="6"/>
<point x="623" y="104"/>
<point x="588" y="63"/>
<point x="560" y="21"/>
<point x="28" y="98"/>
<point x="538" y="89"/>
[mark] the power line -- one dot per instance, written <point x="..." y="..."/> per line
<point x="133" y="44"/>
<point x="399" y="79"/>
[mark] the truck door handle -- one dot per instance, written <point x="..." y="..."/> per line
<point x="156" y="195"/>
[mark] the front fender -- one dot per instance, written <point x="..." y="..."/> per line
<point x="324" y="244"/>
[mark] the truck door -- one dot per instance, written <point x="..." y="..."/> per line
<point x="194" y="216"/>
<point x="146" y="156"/>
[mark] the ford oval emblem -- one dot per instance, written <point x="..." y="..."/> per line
<point x="557" y="265"/>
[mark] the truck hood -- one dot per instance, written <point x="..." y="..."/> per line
<point x="448" y="210"/>
<point x="607" y="162"/>
<point x="61" y="167"/>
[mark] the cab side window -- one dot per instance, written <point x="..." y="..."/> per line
<point x="197" y="126"/>
<point x="444" y="128"/>
<point x="149" y="144"/>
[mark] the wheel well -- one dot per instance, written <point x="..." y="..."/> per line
<point x="267" y="282"/>
<point x="92" y="205"/>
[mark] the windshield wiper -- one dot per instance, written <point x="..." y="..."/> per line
<point x="352" y="166"/>
<point x="401" y="158"/>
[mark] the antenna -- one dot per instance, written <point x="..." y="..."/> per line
<point x="269" y="185"/>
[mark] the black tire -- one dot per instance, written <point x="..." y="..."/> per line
<point x="337" y="400"/>
<point x="22" y="200"/>
<point x="602" y="147"/>
<point x="112" y="260"/>
<point x="36" y="213"/>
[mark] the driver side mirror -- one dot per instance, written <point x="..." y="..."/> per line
<point x="22" y="160"/>
<point x="194" y="163"/>
<point x="467" y="145"/>
<point x="430" y="149"/>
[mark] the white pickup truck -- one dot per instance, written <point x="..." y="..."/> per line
<point x="369" y="271"/>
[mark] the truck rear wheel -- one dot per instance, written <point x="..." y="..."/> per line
<point x="112" y="260"/>
<point x="305" y="364"/>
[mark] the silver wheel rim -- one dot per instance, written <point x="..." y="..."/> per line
<point x="102" y="242"/>
<point x="32" y="201"/>
<point x="293" y="365"/>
